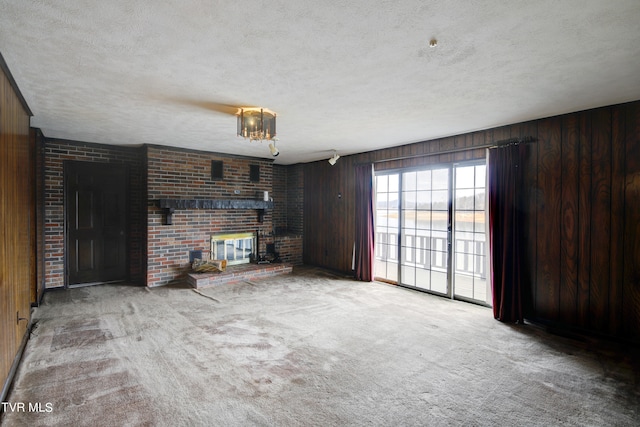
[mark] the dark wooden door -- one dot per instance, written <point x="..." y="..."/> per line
<point x="95" y="215"/>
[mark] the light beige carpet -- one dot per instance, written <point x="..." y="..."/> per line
<point x="310" y="349"/>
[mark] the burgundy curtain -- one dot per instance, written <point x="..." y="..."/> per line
<point x="505" y="230"/>
<point x="364" y="245"/>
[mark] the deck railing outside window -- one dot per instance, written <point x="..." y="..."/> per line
<point x="427" y="252"/>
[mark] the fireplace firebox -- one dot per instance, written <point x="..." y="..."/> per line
<point x="236" y="248"/>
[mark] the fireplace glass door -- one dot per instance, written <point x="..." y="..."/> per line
<point x="235" y="248"/>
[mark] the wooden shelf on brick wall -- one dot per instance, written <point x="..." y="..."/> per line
<point x="170" y="205"/>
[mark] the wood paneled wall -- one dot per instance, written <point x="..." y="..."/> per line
<point x="584" y="254"/>
<point x="16" y="207"/>
<point x="583" y="213"/>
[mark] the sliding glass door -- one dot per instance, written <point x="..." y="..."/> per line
<point x="430" y="230"/>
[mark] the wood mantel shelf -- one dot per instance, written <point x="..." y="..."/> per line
<point x="170" y="205"/>
<point x="215" y="204"/>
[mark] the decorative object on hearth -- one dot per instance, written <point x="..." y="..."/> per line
<point x="208" y="266"/>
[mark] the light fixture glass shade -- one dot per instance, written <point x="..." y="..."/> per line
<point x="256" y="124"/>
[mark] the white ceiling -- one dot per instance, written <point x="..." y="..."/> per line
<point x="352" y="76"/>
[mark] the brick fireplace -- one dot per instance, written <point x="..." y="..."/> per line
<point x="186" y="205"/>
<point x="243" y="261"/>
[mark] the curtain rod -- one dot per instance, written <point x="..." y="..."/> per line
<point x="496" y="144"/>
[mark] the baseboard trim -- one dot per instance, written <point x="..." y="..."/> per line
<point x="16" y="362"/>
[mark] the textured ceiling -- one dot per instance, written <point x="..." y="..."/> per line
<point x="351" y="76"/>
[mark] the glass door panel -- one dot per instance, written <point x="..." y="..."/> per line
<point x="387" y="227"/>
<point x="469" y="231"/>
<point x="424" y="254"/>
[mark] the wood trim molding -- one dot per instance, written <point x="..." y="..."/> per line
<point x="14" y="85"/>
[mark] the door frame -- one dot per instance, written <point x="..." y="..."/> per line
<point x="66" y="165"/>
<point x="450" y="228"/>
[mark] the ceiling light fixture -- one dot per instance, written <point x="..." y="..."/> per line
<point x="256" y="124"/>
<point x="274" y="150"/>
<point x="433" y="43"/>
<point x="334" y="158"/>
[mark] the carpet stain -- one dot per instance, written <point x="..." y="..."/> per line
<point x="77" y="389"/>
<point x="80" y="333"/>
<point x="298" y="381"/>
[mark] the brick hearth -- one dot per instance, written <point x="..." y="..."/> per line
<point x="237" y="273"/>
